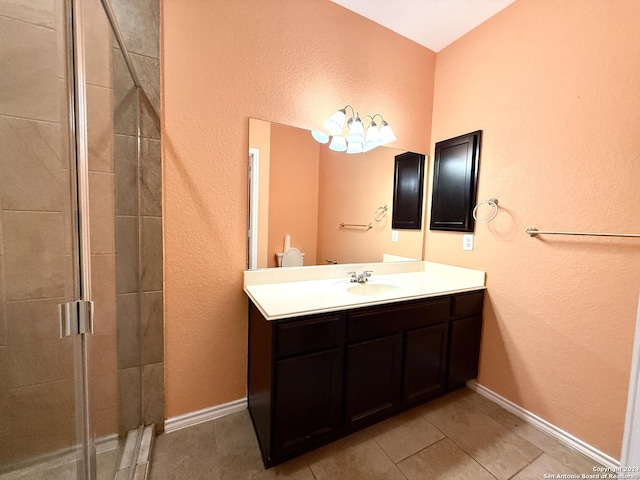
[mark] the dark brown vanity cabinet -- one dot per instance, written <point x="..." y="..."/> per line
<point x="313" y="379"/>
<point x="425" y="363"/>
<point x="372" y="387"/>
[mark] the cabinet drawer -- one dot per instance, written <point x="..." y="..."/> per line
<point x="467" y="304"/>
<point x="385" y="321"/>
<point x="301" y="336"/>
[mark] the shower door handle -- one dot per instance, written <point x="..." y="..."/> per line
<point x="76" y="318"/>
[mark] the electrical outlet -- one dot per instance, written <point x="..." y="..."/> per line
<point x="394" y="235"/>
<point x="467" y="242"/>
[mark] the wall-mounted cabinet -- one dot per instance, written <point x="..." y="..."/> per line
<point x="313" y="379"/>
<point x="455" y="182"/>
<point x="408" y="184"/>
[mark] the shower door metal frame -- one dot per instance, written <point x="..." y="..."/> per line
<point x="79" y="173"/>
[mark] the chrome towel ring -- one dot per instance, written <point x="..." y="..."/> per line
<point x="380" y="213"/>
<point x="493" y="203"/>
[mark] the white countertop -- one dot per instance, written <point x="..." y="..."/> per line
<point x="289" y="292"/>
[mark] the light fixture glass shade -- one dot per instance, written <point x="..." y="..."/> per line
<point x="321" y="137"/>
<point x="338" y="144"/>
<point x="372" y="139"/>
<point x="356" y="130"/>
<point x="354" y="147"/>
<point x="386" y="134"/>
<point x="335" y="123"/>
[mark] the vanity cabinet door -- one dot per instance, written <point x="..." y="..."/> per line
<point x="308" y="393"/>
<point x="372" y="379"/>
<point x="425" y="357"/>
<point x="464" y="350"/>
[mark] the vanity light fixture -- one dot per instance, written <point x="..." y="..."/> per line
<point x="358" y="139"/>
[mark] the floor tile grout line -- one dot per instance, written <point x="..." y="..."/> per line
<point x="387" y="455"/>
<point x="310" y="469"/>
<point x="537" y="457"/>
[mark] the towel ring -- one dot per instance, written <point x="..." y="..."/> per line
<point x="380" y="213"/>
<point x="493" y="203"/>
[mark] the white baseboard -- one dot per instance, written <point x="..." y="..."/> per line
<point x="548" y="428"/>
<point x="200" y="416"/>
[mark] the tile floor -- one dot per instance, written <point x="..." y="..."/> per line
<point x="460" y="436"/>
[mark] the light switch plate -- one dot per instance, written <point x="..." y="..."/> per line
<point x="394" y="235"/>
<point x="467" y="242"/>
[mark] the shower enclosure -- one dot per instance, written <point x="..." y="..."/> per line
<point x="80" y="241"/>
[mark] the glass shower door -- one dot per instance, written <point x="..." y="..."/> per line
<point x="41" y="374"/>
<point x="113" y="177"/>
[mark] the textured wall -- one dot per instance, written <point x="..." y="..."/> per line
<point x="554" y="87"/>
<point x="285" y="61"/>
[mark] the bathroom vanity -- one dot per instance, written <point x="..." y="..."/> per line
<point x="328" y="357"/>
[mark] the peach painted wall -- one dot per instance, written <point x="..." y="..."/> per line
<point x="352" y="187"/>
<point x="293" y="192"/>
<point x="554" y="87"/>
<point x="285" y="61"/>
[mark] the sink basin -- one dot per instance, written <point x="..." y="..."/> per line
<point x="372" y="289"/>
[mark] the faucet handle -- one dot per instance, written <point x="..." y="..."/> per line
<point x="367" y="273"/>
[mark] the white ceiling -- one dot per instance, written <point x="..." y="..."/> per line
<point x="431" y="23"/>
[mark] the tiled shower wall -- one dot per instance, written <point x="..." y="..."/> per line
<point x="36" y="366"/>
<point x="139" y="21"/>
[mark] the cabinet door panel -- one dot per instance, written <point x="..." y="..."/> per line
<point x="464" y="349"/>
<point x="307" y="400"/>
<point x="373" y="379"/>
<point x="425" y="355"/>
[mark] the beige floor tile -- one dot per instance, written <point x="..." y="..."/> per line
<point x="404" y="435"/>
<point x="480" y="447"/>
<point x="496" y="448"/>
<point x="443" y="460"/>
<point x="478" y="401"/>
<point x="187" y="454"/>
<point x="576" y="462"/>
<point x="356" y="457"/>
<point x="542" y="465"/>
<point x="239" y="454"/>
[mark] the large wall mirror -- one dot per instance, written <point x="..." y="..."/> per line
<point x="329" y="204"/>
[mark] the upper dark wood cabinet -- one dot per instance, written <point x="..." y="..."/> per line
<point x="455" y="180"/>
<point x="408" y="183"/>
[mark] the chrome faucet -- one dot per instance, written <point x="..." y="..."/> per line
<point x="360" y="277"/>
